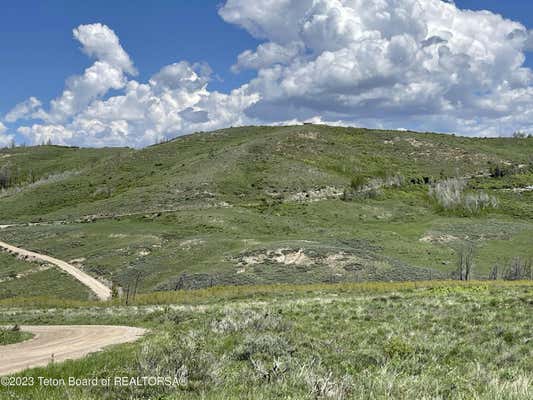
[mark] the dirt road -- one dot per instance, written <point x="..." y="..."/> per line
<point x="59" y="343"/>
<point x="99" y="289"/>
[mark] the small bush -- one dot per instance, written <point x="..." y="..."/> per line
<point x="239" y="321"/>
<point x="270" y="372"/>
<point x="13" y="335"/>
<point x="500" y="170"/>
<point x="480" y="201"/>
<point x="358" y="182"/>
<point x="183" y="357"/>
<point x="325" y="385"/>
<point x="448" y="193"/>
<point x="263" y="346"/>
<point x="397" y="347"/>
<point x="370" y="188"/>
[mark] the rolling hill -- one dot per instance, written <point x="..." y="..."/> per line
<point x="256" y="205"/>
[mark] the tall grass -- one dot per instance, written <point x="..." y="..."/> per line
<point x="462" y="341"/>
<point x="225" y="293"/>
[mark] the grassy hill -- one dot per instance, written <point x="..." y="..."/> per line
<point x="258" y="205"/>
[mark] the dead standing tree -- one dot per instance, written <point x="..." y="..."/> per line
<point x="493" y="275"/>
<point x="5" y="178"/>
<point x="465" y="263"/>
<point x="518" y="268"/>
<point x="133" y="280"/>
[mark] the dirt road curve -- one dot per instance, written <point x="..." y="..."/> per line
<point x="60" y="343"/>
<point x="101" y="290"/>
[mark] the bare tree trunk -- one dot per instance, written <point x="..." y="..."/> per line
<point x="127" y="294"/>
<point x="137" y="278"/>
<point x="465" y="263"/>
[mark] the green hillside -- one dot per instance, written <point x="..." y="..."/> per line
<point x="258" y="205"/>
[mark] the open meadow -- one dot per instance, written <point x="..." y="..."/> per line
<point x="440" y="340"/>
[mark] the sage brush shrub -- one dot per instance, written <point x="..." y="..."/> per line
<point x="450" y="195"/>
<point x="322" y="384"/>
<point x="264" y="346"/>
<point x="358" y="182"/>
<point x="270" y="372"/>
<point x="479" y="201"/>
<point x="183" y="358"/>
<point x="175" y="355"/>
<point x="369" y="188"/>
<point x="379" y="183"/>
<point x="235" y="321"/>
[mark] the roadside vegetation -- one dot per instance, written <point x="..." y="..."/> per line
<point x="19" y="278"/>
<point x="13" y="335"/>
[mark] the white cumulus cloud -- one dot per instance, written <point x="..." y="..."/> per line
<point x="39" y="134"/>
<point x="426" y="65"/>
<point x="23" y="110"/>
<point x="174" y="101"/>
<point x="108" y="72"/>
<point x="102" y="43"/>
<point x="266" y="55"/>
<point x="5" y="140"/>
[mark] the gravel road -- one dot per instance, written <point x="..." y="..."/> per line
<point x="62" y="342"/>
<point x="99" y="289"/>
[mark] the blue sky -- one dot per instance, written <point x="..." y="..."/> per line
<point x="40" y="53"/>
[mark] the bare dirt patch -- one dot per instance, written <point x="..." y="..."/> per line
<point x="438" y="238"/>
<point x="328" y="192"/>
<point x="190" y="243"/>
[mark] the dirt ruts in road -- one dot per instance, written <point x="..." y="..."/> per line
<point x="62" y="342"/>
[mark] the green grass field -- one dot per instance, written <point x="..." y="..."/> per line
<point x="361" y="341"/>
